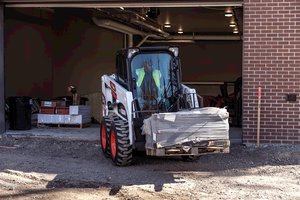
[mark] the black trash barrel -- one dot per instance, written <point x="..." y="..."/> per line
<point x="19" y="113"/>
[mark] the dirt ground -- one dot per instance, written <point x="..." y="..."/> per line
<point x="35" y="168"/>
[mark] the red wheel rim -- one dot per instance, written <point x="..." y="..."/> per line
<point x="113" y="145"/>
<point x="103" y="137"/>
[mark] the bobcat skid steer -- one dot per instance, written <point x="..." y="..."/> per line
<point x="147" y="108"/>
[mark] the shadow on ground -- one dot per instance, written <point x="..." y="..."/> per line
<point x="79" y="164"/>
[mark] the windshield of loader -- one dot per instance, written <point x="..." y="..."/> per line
<point x="152" y="75"/>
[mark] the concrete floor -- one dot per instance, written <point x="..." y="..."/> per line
<point x="91" y="133"/>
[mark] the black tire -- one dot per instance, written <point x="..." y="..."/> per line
<point x="104" y="136"/>
<point x="120" y="148"/>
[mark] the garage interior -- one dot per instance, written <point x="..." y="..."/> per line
<point x="49" y="49"/>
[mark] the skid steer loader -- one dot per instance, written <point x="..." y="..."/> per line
<point x="145" y="107"/>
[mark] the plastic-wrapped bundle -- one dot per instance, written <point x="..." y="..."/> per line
<point x="186" y="127"/>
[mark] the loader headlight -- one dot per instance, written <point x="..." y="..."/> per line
<point x="131" y="52"/>
<point x="174" y="50"/>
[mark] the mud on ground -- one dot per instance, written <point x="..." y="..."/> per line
<point x="35" y="168"/>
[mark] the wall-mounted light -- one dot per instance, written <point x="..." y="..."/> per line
<point x="122" y="8"/>
<point x="180" y="31"/>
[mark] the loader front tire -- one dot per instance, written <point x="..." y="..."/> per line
<point x="120" y="148"/>
<point x="104" y="136"/>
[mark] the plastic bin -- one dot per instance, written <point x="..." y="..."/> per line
<point x="20" y="113"/>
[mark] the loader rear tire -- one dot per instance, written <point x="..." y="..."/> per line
<point x="104" y="136"/>
<point x="120" y="148"/>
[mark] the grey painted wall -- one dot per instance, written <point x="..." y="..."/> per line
<point x="211" y="60"/>
<point x="28" y="59"/>
<point x="41" y="61"/>
<point x="82" y="54"/>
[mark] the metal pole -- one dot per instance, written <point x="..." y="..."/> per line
<point x="124" y="40"/>
<point x="2" y="94"/>
<point x="258" y="116"/>
<point x="130" y="40"/>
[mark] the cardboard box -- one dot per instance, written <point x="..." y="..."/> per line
<point x="60" y="103"/>
<point x="54" y="103"/>
<point x="48" y="104"/>
<point x="62" y="110"/>
<point x="47" y="110"/>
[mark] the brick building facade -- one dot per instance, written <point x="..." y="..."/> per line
<point x="271" y="60"/>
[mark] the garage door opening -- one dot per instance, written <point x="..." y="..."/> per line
<point x="49" y="49"/>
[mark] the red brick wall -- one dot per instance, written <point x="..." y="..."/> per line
<point x="272" y="61"/>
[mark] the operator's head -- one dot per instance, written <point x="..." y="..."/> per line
<point x="147" y="64"/>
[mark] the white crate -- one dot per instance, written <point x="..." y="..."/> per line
<point x="80" y="110"/>
<point x="50" y="119"/>
<point x="76" y="119"/>
<point x="63" y="119"/>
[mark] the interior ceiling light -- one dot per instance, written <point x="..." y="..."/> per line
<point x="235" y="31"/>
<point x="167" y="25"/>
<point x="121" y="8"/>
<point x="228" y="12"/>
<point x="232" y="24"/>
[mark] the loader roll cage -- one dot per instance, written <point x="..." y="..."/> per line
<point x="153" y="75"/>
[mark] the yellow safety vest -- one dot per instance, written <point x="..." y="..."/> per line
<point x="141" y="74"/>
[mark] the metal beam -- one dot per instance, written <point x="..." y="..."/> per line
<point x="2" y="94"/>
<point x="117" y="4"/>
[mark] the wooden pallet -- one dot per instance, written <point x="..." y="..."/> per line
<point x="64" y="125"/>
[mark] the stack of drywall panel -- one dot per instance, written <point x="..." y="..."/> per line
<point x="194" y="126"/>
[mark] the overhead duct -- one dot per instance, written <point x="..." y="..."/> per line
<point x="149" y="26"/>
<point x="116" y="26"/>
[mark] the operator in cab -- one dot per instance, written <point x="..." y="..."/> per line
<point x="148" y="85"/>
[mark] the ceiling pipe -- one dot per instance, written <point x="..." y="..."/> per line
<point x="170" y="41"/>
<point x="144" y="39"/>
<point x="116" y="26"/>
<point x="153" y="28"/>
<point x="202" y="37"/>
<point x="109" y="24"/>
